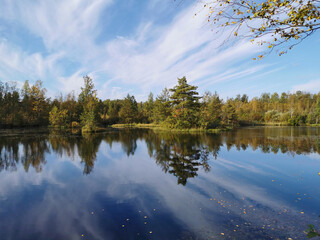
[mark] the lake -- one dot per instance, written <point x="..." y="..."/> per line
<point x="250" y="183"/>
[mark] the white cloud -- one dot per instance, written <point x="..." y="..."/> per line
<point x="70" y="25"/>
<point x="185" y="47"/>
<point x="312" y="86"/>
<point x="15" y="62"/>
<point x="67" y="29"/>
<point x="148" y="60"/>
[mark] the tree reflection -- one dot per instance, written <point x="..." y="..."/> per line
<point x="34" y="151"/>
<point x="87" y="149"/>
<point x="85" y="146"/>
<point x="181" y="155"/>
<point x="9" y="153"/>
<point x="28" y="151"/>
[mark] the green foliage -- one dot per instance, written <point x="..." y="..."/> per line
<point x="129" y="110"/>
<point x="185" y="105"/>
<point x="28" y="109"/>
<point x="58" y="118"/>
<point x="179" y="107"/>
<point x="38" y="102"/>
<point x="88" y="99"/>
<point x="211" y="111"/>
<point x="162" y="109"/>
<point x="147" y="109"/>
<point x="229" y="116"/>
<point x="311" y="232"/>
<point x="317" y="110"/>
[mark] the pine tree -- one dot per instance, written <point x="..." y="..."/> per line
<point x="129" y="110"/>
<point x="162" y="108"/>
<point x="185" y="103"/>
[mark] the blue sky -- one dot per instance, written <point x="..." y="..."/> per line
<point x="140" y="46"/>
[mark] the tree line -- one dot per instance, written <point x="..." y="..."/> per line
<point x="179" y="107"/>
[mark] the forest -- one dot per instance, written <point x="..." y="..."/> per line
<point x="180" y="107"/>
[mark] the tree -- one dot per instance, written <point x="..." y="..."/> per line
<point x="282" y="21"/>
<point x="211" y="111"/>
<point x="317" y="110"/>
<point x="148" y="106"/>
<point x="38" y="102"/>
<point x="162" y="108"/>
<point x="229" y="113"/>
<point x="129" y="110"/>
<point x="58" y="118"/>
<point x="215" y="111"/>
<point x="185" y="103"/>
<point x="88" y="99"/>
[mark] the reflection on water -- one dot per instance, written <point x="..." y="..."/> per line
<point x="178" y="154"/>
<point x="263" y="183"/>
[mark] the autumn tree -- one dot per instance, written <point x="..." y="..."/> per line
<point x="272" y="22"/>
<point x="39" y="105"/>
<point x="229" y="116"/>
<point x="58" y="118"/>
<point x="88" y="99"/>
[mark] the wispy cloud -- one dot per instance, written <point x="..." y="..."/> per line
<point x="148" y="59"/>
<point x="70" y="25"/>
<point x="184" y="47"/>
<point x="312" y="86"/>
<point x="15" y="62"/>
<point x="66" y="29"/>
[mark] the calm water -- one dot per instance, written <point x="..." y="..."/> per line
<point x="253" y="183"/>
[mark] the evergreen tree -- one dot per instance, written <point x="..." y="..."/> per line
<point x="129" y="110"/>
<point x="215" y="111"/>
<point x="185" y="103"/>
<point x="148" y="107"/>
<point x="162" y="108"/>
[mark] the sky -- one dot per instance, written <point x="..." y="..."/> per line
<point x="140" y="46"/>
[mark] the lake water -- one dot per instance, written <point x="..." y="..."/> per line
<point x="251" y="183"/>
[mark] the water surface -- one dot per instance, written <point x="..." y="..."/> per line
<point x="251" y="183"/>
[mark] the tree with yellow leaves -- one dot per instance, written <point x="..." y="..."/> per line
<point x="274" y="22"/>
<point x="88" y="99"/>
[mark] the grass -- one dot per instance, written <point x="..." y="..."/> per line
<point x="158" y="127"/>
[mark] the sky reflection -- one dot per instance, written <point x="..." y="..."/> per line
<point x="146" y="185"/>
